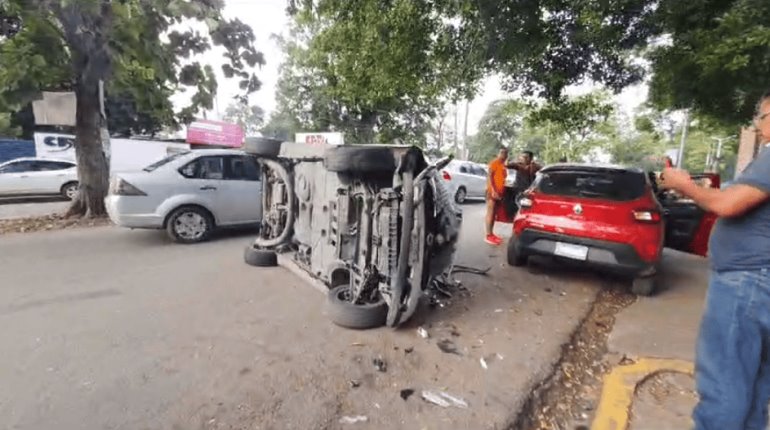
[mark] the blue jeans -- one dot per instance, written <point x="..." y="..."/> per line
<point x="732" y="367"/>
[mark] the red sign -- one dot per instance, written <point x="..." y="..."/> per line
<point x="207" y="132"/>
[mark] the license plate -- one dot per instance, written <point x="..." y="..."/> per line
<point x="568" y="250"/>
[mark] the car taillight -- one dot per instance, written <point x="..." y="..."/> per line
<point x="446" y="175"/>
<point x="122" y="188"/>
<point x="645" y="215"/>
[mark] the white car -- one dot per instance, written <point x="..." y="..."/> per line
<point x="465" y="180"/>
<point x="189" y="194"/>
<point x="38" y="176"/>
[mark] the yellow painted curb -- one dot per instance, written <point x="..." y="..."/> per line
<point x="620" y="385"/>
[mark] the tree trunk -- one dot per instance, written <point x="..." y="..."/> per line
<point x="93" y="169"/>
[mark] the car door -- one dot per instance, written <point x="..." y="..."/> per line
<point x="241" y="191"/>
<point x="47" y="177"/>
<point x="479" y="181"/>
<point x="688" y="227"/>
<point x="204" y="184"/>
<point x="465" y="178"/>
<point x="14" y="177"/>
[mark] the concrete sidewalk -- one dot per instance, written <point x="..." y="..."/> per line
<point x="657" y="334"/>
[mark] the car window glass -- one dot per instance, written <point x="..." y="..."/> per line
<point x="479" y="171"/>
<point x="616" y="185"/>
<point x="204" y="168"/>
<point x="165" y="161"/>
<point x="44" y="166"/>
<point x="18" y="167"/>
<point x="242" y="168"/>
<point x="463" y="169"/>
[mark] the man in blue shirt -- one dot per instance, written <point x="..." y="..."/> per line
<point x="732" y="368"/>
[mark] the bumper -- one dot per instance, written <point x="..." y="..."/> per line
<point x="614" y="257"/>
<point x="125" y="212"/>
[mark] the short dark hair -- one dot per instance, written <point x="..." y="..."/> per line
<point x="530" y="154"/>
<point x="502" y="148"/>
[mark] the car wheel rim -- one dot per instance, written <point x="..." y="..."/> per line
<point x="71" y="192"/>
<point x="190" y="226"/>
<point x="460" y="196"/>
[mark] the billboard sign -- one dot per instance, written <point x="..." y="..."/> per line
<point x="217" y="133"/>
<point x="320" y="139"/>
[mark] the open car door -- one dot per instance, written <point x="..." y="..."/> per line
<point x="688" y="227"/>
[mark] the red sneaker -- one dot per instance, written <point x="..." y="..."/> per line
<point x="493" y="240"/>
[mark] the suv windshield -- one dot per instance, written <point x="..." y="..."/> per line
<point x="609" y="184"/>
<point x="164" y="161"/>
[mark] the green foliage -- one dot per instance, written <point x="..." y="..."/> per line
<point x="718" y="60"/>
<point x="149" y="57"/>
<point x="375" y="71"/>
<point x="250" y="118"/>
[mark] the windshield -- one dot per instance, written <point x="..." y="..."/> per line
<point x="165" y="161"/>
<point x="618" y="185"/>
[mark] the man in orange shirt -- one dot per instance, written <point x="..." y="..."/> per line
<point x="495" y="190"/>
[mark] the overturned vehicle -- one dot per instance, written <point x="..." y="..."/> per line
<point x="372" y="223"/>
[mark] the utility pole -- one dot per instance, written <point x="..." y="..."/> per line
<point x="714" y="161"/>
<point x="465" y="132"/>
<point x="456" y="146"/>
<point x="680" y="156"/>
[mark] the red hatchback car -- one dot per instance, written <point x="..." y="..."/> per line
<point x="607" y="217"/>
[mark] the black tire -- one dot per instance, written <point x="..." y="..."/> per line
<point x="461" y="195"/>
<point x="174" y="232"/>
<point x="348" y="315"/>
<point x="260" y="257"/>
<point x="643" y="286"/>
<point x="70" y="190"/>
<point x="353" y="159"/>
<point x="514" y="257"/>
<point x="262" y="146"/>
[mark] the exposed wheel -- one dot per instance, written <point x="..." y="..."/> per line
<point x="461" y="195"/>
<point x="260" y="257"/>
<point x="514" y="257"/>
<point x="346" y="314"/>
<point x="262" y="146"/>
<point x="357" y="159"/>
<point x="70" y="190"/>
<point x="190" y="224"/>
<point x="643" y="286"/>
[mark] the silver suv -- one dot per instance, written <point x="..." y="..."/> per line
<point x="374" y="224"/>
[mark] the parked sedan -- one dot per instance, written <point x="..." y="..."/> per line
<point x="189" y="194"/>
<point x="38" y="176"/>
<point x="465" y="180"/>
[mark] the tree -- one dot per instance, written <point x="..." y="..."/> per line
<point x="502" y="123"/>
<point x="377" y="71"/>
<point x="134" y="47"/>
<point x="717" y="60"/>
<point x="250" y="118"/>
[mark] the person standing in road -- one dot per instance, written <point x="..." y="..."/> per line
<point x="495" y="190"/>
<point x="526" y="169"/>
<point x="732" y="368"/>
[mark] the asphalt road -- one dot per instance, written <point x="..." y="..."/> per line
<point x="106" y="328"/>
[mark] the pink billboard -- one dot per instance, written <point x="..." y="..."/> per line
<point x="207" y="132"/>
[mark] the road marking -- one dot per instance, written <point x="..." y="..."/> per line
<point x="620" y="385"/>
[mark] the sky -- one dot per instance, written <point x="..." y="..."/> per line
<point x="268" y="17"/>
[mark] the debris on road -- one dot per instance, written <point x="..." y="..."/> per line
<point x="423" y="333"/>
<point x="354" y="383"/>
<point x="48" y="222"/>
<point x="484" y="361"/>
<point x="380" y="364"/>
<point x="357" y="344"/>
<point x="443" y="399"/>
<point x="406" y="393"/>
<point x="484" y="364"/>
<point x="408" y="350"/>
<point x="354" y="419"/>
<point x="472" y="270"/>
<point x="447" y="346"/>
